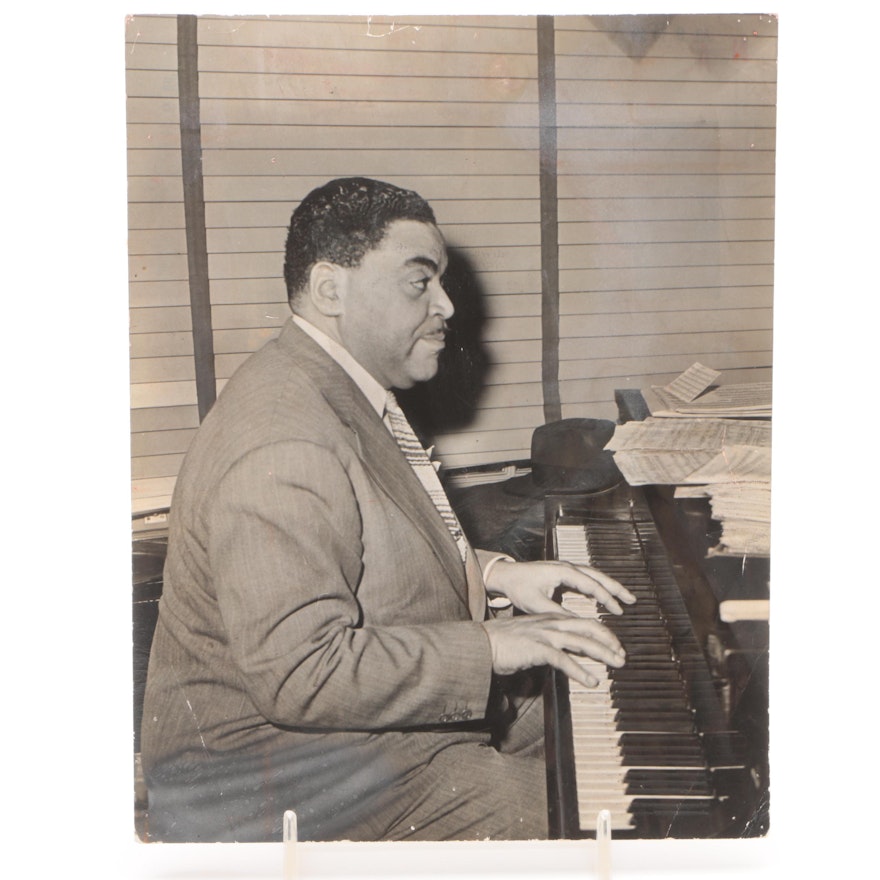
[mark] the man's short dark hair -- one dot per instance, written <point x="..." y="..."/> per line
<point x="341" y="221"/>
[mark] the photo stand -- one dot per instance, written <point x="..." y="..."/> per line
<point x="289" y="835"/>
<point x="603" y="845"/>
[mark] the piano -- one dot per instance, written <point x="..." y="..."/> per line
<point x="674" y="744"/>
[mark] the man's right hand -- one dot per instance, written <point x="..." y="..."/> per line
<point x="550" y="639"/>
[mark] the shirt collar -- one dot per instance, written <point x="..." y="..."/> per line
<point x="371" y="389"/>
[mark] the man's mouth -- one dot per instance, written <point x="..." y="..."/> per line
<point x="436" y="336"/>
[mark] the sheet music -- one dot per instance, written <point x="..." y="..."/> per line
<point x="732" y="401"/>
<point x="749" y="501"/>
<point x="691" y="491"/>
<point x="690" y="394"/>
<point x="713" y="444"/>
<point x="691" y="433"/>
<point x="743" y="538"/>
<point x="737" y="481"/>
<point x="735" y="464"/>
<point x="692" y="382"/>
<point x="642" y="467"/>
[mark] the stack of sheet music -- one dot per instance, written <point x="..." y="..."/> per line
<point x="713" y="444"/>
<point x="693" y="393"/>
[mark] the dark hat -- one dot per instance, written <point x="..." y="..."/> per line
<point x="569" y="456"/>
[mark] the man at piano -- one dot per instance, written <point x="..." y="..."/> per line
<point x="323" y="643"/>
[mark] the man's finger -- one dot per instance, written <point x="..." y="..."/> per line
<point x="611" y="584"/>
<point x="593" y="583"/>
<point x="586" y="673"/>
<point x="579" y="635"/>
<point x="571" y="668"/>
<point x="584" y="646"/>
<point x="542" y="604"/>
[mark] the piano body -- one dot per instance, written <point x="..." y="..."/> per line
<point x="675" y="743"/>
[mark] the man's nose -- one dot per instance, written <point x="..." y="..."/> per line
<point x="441" y="304"/>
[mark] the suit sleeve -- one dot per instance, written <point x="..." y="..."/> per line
<point x="286" y="555"/>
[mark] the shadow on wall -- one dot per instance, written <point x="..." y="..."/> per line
<point x="449" y="401"/>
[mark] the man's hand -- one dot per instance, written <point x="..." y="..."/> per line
<point x="531" y="585"/>
<point x="550" y="639"/>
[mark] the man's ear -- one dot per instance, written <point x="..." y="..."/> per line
<point x="325" y="291"/>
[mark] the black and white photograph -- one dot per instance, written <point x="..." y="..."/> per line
<point x="451" y="357"/>
<point x="389" y="453"/>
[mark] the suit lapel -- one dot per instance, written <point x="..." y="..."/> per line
<point x="378" y="451"/>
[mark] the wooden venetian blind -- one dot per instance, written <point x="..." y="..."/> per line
<point x="666" y="164"/>
<point x="163" y="391"/>
<point x="662" y="200"/>
<point x="446" y="106"/>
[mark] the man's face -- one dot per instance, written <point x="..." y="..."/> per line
<point x="394" y="308"/>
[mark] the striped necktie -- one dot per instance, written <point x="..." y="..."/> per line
<point x="424" y="469"/>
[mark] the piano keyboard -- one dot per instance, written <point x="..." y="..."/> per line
<point x="637" y="747"/>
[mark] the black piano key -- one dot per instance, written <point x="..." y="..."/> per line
<point x="652" y="783"/>
<point x="659" y="758"/>
<point x="663" y="724"/>
<point x="651" y="703"/>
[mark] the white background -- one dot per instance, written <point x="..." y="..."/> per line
<point x="66" y="789"/>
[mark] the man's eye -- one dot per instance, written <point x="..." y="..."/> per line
<point x="421" y="284"/>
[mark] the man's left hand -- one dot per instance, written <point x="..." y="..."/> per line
<point x="530" y="586"/>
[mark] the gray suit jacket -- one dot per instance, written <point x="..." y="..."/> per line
<point x="317" y="641"/>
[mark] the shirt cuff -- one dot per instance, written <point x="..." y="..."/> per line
<point x="496" y="601"/>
